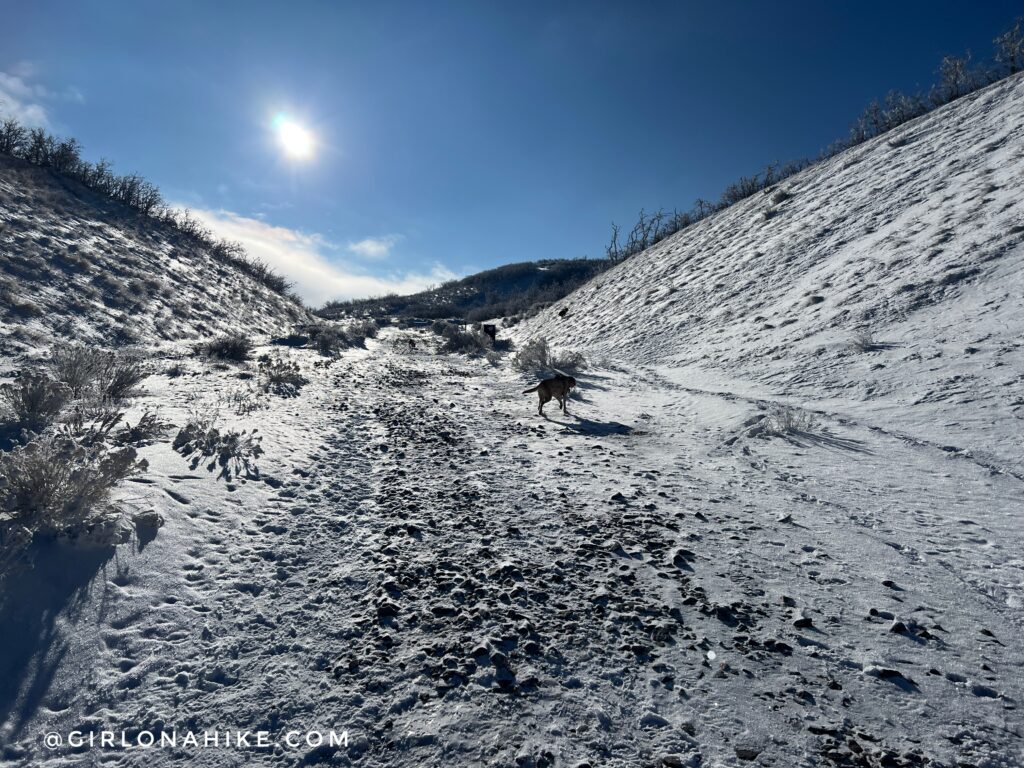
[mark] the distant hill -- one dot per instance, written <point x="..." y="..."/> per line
<point x="78" y="266"/>
<point x="514" y="289"/>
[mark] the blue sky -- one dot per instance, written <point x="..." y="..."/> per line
<point x="455" y="136"/>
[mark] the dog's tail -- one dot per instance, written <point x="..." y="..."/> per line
<point x="528" y="391"/>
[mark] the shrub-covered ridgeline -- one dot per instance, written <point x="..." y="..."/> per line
<point x="509" y="290"/>
<point x="64" y="156"/>
<point x="957" y="76"/>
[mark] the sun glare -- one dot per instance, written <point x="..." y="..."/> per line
<point x="296" y="141"/>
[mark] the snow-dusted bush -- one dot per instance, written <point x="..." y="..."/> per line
<point x="34" y="399"/>
<point x="56" y="485"/>
<point x="537" y="357"/>
<point x="119" y="376"/>
<point x="864" y="341"/>
<point x="76" y="365"/>
<point x="281" y="377"/>
<point x="328" y="339"/>
<point x="233" y="346"/>
<point x="147" y="430"/>
<point x="568" y="361"/>
<point x="532" y="356"/>
<point x="234" y="452"/>
<point x="107" y="376"/>
<point x="90" y="424"/>
<point x="784" y="420"/>
<point x="468" y="343"/>
<point x="365" y="329"/>
<point x="458" y="341"/>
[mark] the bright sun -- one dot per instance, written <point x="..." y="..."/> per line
<point x="296" y="141"/>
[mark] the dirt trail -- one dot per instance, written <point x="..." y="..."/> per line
<point x="456" y="581"/>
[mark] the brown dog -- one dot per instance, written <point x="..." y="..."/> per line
<point x="558" y="388"/>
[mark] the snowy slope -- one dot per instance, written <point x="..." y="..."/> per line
<point x="915" y="238"/>
<point x="75" y="266"/>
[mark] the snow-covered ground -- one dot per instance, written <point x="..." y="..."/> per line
<point x="666" y="575"/>
<point x="429" y="565"/>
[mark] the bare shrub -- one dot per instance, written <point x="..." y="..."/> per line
<point x="536" y="356"/>
<point x="281" y="377"/>
<point x="533" y="356"/>
<point x="91" y="425"/>
<point x="1010" y="48"/>
<point x="328" y="339"/>
<point x="54" y="484"/>
<point x="147" y="430"/>
<point x="864" y="341"/>
<point x="233" y="346"/>
<point x="76" y="365"/>
<point x="245" y="400"/>
<point x="34" y="399"/>
<point x="458" y="341"/>
<point x="366" y="329"/>
<point x="119" y="376"/>
<point x="568" y="361"/>
<point x="784" y="420"/>
<point x="462" y="342"/>
<point x="115" y="375"/>
<point x="234" y="452"/>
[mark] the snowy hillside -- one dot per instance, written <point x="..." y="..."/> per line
<point x="911" y="244"/>
<point x="77" y="267"/>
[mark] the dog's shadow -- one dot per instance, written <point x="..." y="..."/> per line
<point x="584" y="426"/>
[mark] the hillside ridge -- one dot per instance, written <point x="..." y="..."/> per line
<point x="75" y="266"/>
<point x="887" y="277"/>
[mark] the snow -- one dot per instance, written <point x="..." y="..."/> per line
<point x="93" y="272"/>
<point x="656" y="577"/>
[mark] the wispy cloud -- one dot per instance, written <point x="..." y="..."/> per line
<point x="374" y="247"/>
<point x="27" y="100"/>
<point x="304" y="259"/>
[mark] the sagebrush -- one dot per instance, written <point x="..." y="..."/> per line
<point x="55" y="485"/>
<point x="234" y="452"/>
<point x="536" y="357"/>
<point x="232" y="346"/>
